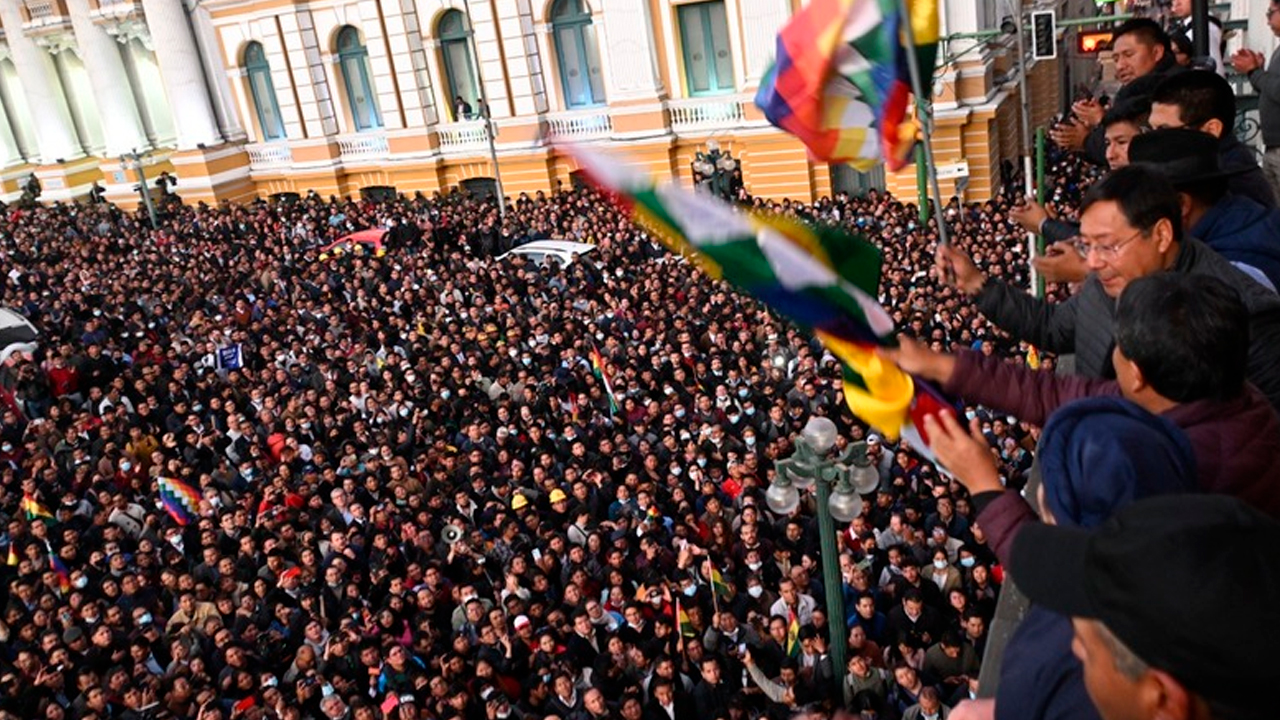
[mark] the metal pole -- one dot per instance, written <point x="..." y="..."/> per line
<point x="142" y="185"/>
<point x="1041" y="193"/>
<point x="1200" y="34"/>
<point x="917" y="84"/>
<point x="489" y="132"/>
<point x="832" y="582"/>
<point x="922" y="186"/>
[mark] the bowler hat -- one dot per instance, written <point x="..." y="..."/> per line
<point x="1183" y="156"/>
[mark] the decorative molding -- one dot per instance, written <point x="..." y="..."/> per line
<point x="127" y="30"/>
<point x="56" y="43"/>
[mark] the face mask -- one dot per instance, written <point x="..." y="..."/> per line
<point x="668" y="391"/>
<point x="750" y="440"/>
<point x="679" y="413"/>
<point x="691" y="591"/>
<point x="743" y="392"/>
<point x="81" y="582"/>
<point x="755" y="591"/>
<point x="676" y="471"/>
<point x="968" y="561"/>
<point x="702" y="462"/>
<point x="445" y="394"/>
<point x="940" y="564"/>
<point x="404" y="412"/>
<point x="6" y="448"/>
<point x="755" y="566"/>
<point x="684" y="436"/>
<point x="734" y="418"/>
<point x="144" y="619"/>
<point x="126" y="466"/>
<point x="656" y="602"/>
<point x="749" y="411"/>
<point x="971" y="414"/>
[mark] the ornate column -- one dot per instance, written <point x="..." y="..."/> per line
<point x="183" y="74"/>
<point x="55" y="133"/>
<point x="122" y="125"/>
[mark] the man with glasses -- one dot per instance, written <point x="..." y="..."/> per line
<point x="1266" y="80"/>
<point x="1131" y="227"/>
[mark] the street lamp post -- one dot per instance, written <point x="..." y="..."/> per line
<point x="136" y="158"/>
<point x="839" y="484"/>
<point x="717" y="168"/>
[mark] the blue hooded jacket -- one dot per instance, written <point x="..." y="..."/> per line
<point x="1245" y="233"/>
<point x="1096" y="456"/>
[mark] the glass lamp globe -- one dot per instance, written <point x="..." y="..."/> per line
<point x="800" y="480"/>
<point x="845" y="506"/>
<point x="866" y="479"/>
<point x="820" y="433"/>
<point x="782" y="499"/>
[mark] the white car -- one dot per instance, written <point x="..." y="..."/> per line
<point x="17" y="335"/>
<point x="562" y="251"/>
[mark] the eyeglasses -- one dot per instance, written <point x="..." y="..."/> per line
<point x="1106" y="252"/>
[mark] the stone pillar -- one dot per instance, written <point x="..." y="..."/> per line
<point x="122" y="124"/>
<point x="183" y="74"/>
<point x="55" y="134"/>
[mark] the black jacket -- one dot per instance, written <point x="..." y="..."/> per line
<point x="1084" y="324"/>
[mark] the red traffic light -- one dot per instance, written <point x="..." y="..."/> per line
<point x="1089" y="43"/>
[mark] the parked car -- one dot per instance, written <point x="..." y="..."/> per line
<point x="562" y="251"/>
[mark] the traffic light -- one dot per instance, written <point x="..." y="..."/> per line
<point x="1044" y="33"/>
<point x="1089" y="43"/>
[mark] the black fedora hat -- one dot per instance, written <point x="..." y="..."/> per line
<point x="1183" y="156"/>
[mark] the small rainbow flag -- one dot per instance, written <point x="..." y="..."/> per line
<point x="60" y="569"/>
<point x="1033" y="357"/>
<point x="597" y="366"/>
<point x="34" y="509"/>
<point x="180" y="500"/>
<point x="12" y="559"/>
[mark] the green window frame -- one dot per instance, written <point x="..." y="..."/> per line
<point x="577" y="54"/>
<point x="704" y="43"/>
<point x="264" y="92"/>
<point x="459" y="65"/>
<point x="353" y="60"/>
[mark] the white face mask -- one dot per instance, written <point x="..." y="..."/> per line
<point x="940" y="564"/>
<point x="755" y="591"/>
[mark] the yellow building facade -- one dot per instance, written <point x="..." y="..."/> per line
<point x="244" y="98"/>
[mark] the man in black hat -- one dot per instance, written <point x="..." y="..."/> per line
<point x="1150" y="648"/>
<point x="1238" y="228"/>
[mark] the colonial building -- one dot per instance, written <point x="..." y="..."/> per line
<point x="238" y="98"/>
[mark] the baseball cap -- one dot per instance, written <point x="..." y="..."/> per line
<point x="1161" y="574"/>
<point x="522" y="621"/>
<point x="558" y="495"/>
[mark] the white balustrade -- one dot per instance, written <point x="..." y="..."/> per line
<point x="42" y="9"/>
<point x="697" y="114"/>
<point x="580" y="124"/>
<point x="269" y="155"/>
<point x="467" y="136"/>
<point x="365" y="146"/>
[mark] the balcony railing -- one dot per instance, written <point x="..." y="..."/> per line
<point x="39" y="10"/>
<point x="365" y="146"/>
<point x="467" y="136"/>
<point x="698" y="114"/>
<point x="265" y="155"/>
<point x="580" y="124"/>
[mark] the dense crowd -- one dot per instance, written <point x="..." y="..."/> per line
<point x="415" y="498"/>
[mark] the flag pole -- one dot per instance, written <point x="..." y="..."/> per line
<point x="917" y="86"/>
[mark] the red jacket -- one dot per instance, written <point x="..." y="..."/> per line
<point x="1236" y="442"/>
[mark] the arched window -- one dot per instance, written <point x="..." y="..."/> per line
<point x="704" y="38"/>
<point x="459" y="69"/>
<point x="353" y="59"/>
<point x="264" y="92"/>
<point x="577" y="54"/>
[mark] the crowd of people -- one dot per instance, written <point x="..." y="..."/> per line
<point x="418" y="497"/>
<point x="415" y="498"/>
